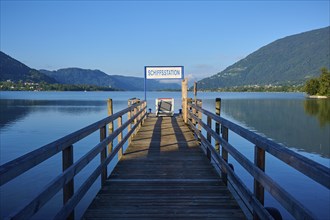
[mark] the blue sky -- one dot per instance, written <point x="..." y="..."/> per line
<point x="121" y="37"/>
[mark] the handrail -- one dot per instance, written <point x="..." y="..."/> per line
<point x="65" y="211"/>
<point x="315" y="171"/>
<point x="275" y="190"/>
<point x="16" y="167"/>
<point x="66" y="177"/>
<point x="308" y="167"/>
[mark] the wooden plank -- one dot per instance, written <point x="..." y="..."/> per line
<point x="164" y="174"/>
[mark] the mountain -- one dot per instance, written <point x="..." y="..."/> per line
<point x="77" y="76"/>
<point x="288" y="61"/>
<point x="11" y="69"/>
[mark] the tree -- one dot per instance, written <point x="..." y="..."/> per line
<point x="312" y="86"/>
<point x="320" y="85"/>
<point x="324" y="81"/>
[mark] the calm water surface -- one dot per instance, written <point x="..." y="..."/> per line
<point x="29" y="120"/>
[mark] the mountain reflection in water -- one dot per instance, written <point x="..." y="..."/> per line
<point x="12" y="110"/>
<point x="300" y="124"/>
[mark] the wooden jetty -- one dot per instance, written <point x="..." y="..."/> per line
<point x="164" y="174"/>
<point x="174" y="167"/>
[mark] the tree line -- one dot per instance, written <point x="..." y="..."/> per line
<point x="43" y="86"/>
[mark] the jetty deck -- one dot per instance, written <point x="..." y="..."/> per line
<point x="164" y="174"/>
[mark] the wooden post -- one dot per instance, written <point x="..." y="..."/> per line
<point x="217" y="125"/>
<point x="195" y="91"/>
<point x="224" y="153"/>
<point x="200" y="115"/>
<point x="209" y="124"/>
<point x="120" y="136"/>
<point x="144" y="112"/>
<point x="129" y="127"/>
<point x="68" y="189"/>
<point x="136" y="110"/>
<point x="139" y="117"/>
<point x="110" y="112"/>
<point x="184" y="99"/>
<point x="189" y="100"/>
<point x="135" y="120"/>
<point x="259" y="161"/>
<point x="103" y="155"/>
<point x="194" y="111"/>
<point x="185" y="110"/>
<point x="209" y="137"/>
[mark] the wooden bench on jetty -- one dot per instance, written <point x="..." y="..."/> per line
<point x="174" y="167"/>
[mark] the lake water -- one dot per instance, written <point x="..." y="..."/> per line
<point x="29" y="120"/>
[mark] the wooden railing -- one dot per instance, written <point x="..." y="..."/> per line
<point x="71" y="197"/>
<point x="262" y="181"/>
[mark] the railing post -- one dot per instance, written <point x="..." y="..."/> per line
<point x="185" y="110"/>
<point x="110" y="112"/>
<point x="68" y="189"/>
<point x="189" y="100"/>
<point x="209" y="137"/>
<point x="224" y="153"/>
<point x="194" y="111"/>
<point x="139" y="117"/>
<point x="120" y="136"/>
<point x="200" y="115"/>
<point x="184" y="90"/>
<point x="103" y="155"/>
<point x="129" y="127"/>
<point x="259" y="161"/>
<point x="217" y="125"/>
<point x="209" y="124"/>
<point x="135" y="120"/>
<point x="144" y="111"/>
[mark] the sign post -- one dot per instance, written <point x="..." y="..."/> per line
<point x="161" y="72"/>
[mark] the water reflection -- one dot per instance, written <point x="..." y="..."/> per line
<point x="319" y="108"/>
<point x="10" y="113"/>
<point x="15" y="110"/>
<point x="285" y="121"/>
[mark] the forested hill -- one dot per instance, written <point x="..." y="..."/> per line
<point x="78" y="76"/>
<point x="288" y="61"/>
<point x="15" y="71"/>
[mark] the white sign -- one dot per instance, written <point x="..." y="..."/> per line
<point x="164" y="72"/>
